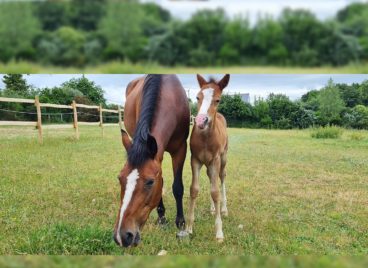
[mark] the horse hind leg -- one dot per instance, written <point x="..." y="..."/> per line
<point x="224" y="210"/>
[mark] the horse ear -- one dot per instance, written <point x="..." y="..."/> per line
<point x="224" y="81"/>
<point x="152" y="146"/>
<point x="126" y="140"/>
<point x="201" y="80"/>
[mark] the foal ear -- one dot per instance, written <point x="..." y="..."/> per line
<point x="126" y="140"/>
<point x="152" y="146"/>
<point x="201" y="80"/>
<point x="224" y="81"/>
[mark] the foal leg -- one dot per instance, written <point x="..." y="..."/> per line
<point x="194" y="190"/>
<point x="224" y="210"/>
<point x="212" y="208"/>
<point x="178" y="159"/>
<point x="213" y="173"/>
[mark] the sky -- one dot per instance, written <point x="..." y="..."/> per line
<point x="323" y="9"/>
<point x="257" y="85"/>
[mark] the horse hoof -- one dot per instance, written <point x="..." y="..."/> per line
<point x="182" y="235"/>
<point x="189" y="231"/>
<point x="225" y="213"/>
<point x="213" y="212"/>
<point x="162" y="222"/>
<point x="220" y="240"/>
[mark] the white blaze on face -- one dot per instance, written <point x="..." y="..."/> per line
<point x="129" y="189"/>
<point x="206" y="102"/>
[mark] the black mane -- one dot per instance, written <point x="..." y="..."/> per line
<point x="140" y="150"/>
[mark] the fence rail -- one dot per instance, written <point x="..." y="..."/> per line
<point x="73" y="106"/>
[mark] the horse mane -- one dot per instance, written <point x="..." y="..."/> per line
<point x="139" y="152"/>
<point x="212" y="80"/>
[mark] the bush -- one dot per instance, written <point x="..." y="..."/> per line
<point x="357" y="136"/>
<point x="329" y="132"/>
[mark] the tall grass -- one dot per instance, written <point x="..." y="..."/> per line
<point x="329" y="132"/>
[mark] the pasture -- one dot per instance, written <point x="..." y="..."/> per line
<point x="288" y="193"/>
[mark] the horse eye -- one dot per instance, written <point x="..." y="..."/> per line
<point x="149" y="183"/>
<point x="218" y="101"/>
<point x="197" y="98"/>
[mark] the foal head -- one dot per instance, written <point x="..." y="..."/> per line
<point x="141" y="190"/>
<point x="208" y="99"/>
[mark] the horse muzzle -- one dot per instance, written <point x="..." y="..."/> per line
<point x="201" y="121"/>
<point x="127" y="238"/>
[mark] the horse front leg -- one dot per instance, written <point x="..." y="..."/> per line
<point x="178" y="188"/>
<point x="213" y="171"/>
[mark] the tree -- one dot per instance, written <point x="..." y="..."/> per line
<point x="353" y="21"/>
<point x="357" y="117"/>
<point x="280" y="107"/>
<point x="330" y="104"/>
<point x="86" y="14"/>
<point x="52" y="14"/>
<point x="59" y="95"/>
<point x="237" y="40"/>
<point x="267" y="41"/>
<point x="363" y="88"/>
<point x="121" y="27"/>
<point x="88" y="88"/>
<point x="18" y="29"/>
<point x="350" y="94"/>
<point x="233" y="107"/>
<point x="17" y="84"/>
<point x="65" y="47"/>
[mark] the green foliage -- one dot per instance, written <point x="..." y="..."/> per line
<point x="16" y="83"/>
<point x="83" y="32"/>
<point x="328" y="132"/>
<point x="330" y="104"/>
<point x="16" y="39"/>
<point x="357" y="117"/>
<point x="234" y="108"/>
<point x="121" y="27"/>
<point x="88" y="88"/>
<point x="65" y="47"/>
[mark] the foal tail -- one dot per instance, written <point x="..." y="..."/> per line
<point x="141" y="150"/>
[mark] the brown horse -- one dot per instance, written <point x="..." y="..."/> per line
<point x="156" y="115"/>
<point x="208" y="144"/>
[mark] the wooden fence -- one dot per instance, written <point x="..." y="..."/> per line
<point x="74" y="106"/>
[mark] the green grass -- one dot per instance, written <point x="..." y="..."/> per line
<point x="328" y="132"/>
<point x="127" y="68"/>
<point x="292" y="193"/>
<point x="183" y="261"/>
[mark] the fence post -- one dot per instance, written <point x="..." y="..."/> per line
<point x="120" y="121"/>
<point x="101" y="120"/>
<point x="39" y="119"/>
<point x="75" y="121"/>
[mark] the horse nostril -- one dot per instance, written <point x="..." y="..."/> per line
<point x="206" y="120"/>
<point x="128" y="239"/>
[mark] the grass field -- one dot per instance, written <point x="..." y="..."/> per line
<point x="129" y="68"/>
<point x="293" y="195"/>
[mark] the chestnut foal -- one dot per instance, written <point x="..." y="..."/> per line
<point x="208" y="145"/>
